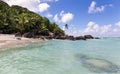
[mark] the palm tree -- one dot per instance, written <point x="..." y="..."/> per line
<point x="65" y="27"/>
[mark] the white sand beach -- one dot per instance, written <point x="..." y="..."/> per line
<point x="7" y="40"/>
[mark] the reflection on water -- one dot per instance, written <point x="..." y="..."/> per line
<point x="98" y="65"/>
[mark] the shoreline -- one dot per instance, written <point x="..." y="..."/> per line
<point x="8" y="40"/>
<point x="11" y="40"/>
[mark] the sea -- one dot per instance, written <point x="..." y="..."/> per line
<point x="93" y="56"/>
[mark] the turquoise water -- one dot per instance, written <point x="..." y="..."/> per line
<point x="63" y="57"/>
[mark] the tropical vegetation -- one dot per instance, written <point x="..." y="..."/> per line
<point x="16" y="19"/>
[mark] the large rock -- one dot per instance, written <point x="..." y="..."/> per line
<point x="60" y="37"/>
<point x="28" y="35"/>
<point x="88" y="37"/>
<point x="18" y="34"/>
<point x="51" y="34"/>
<point x="70" y="38"/>
<point x="44" y="32"/>
<point x="48" y="37"/>
<point x="64" y="37"/>
<point x="80" y="38"/>
<point x="58" y="33"/>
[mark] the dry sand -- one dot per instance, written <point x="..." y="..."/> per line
<point x="7" y="40"/>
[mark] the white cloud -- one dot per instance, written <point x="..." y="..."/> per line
<point x="91" y="24"/>
<point x="110" y="30"/>
<point x="61" y="13"/>
<point x="95" y="29"/>
<point x="33" y="5"/>
<point x="93" y="9"/>
<point x="63" y="17"/>
<point x="117" y="24"/>
<point x="92" y="27"/>
<point x="49" y="15"/>
<point x="43" y="7"/>
<point x="49" y="0"/>
<point x="115" y="30"/>
<point x="56" y="19"/>
<point x="67" y="17"/>
<point x="106" y="28"/>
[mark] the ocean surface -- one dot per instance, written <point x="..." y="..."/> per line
<point x="97" y="56"/>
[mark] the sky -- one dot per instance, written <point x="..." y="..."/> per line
<point x="96" y="17"/>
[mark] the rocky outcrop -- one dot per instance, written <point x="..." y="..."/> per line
<point x="44" y="33"/>
<point x="80" y="38"/>
<point x="70" y="37"/>
<point x="66" y="37"/>
<point x="18" y="34"/>
<point x="88" y="37"/>
<point x="60" y="37"/>
<point x="28" y="35"/>
<point x="56" y="35"/>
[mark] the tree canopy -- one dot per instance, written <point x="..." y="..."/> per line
<point x="16" y="19"/>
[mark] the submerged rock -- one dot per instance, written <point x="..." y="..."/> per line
<point x="98" y="65"/>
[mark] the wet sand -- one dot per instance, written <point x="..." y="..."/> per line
<point x="7" y="40"/>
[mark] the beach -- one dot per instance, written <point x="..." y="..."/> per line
<point x="7" y="40"/>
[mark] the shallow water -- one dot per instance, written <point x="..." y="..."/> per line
<point x="63" y="57"/>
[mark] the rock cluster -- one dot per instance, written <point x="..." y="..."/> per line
<point x="49" y="35"/>
<point x="85" y="37"/>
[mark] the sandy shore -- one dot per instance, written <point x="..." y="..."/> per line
<point x="10" y="40"/>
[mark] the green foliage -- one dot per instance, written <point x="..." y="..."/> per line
<point x="18" y="19"/>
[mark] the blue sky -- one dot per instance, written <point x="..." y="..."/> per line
<point x="96" y="17"/>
